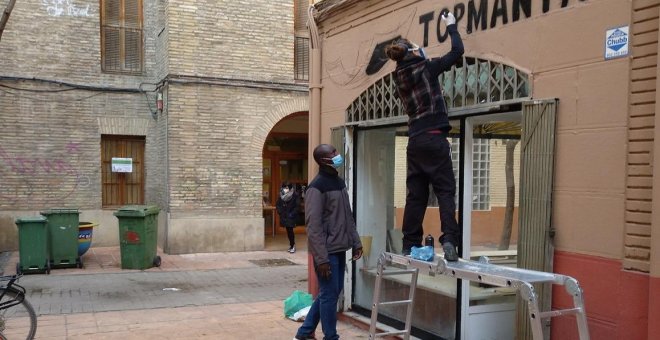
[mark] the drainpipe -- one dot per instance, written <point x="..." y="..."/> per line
<point x="314" y="124"/>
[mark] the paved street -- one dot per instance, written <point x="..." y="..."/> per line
<point x="196" y="296"/>
<point x="147" y="290"/>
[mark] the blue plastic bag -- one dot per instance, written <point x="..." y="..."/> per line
<point x="297" y="301"/>
<point x="425" y="253"/>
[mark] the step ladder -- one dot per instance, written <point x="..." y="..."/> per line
<point x="483" y="272"/>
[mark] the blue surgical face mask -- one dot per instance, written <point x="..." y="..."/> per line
<point x="337" y="161"/>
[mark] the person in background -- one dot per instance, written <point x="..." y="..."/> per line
<point x="428" y="153"/>
<point x="288" y="208"/>
<point x="331" y="231"/>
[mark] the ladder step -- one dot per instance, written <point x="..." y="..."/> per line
<point x="393" y="303"/>
<point x="553" y="313"/>
<point x="399" y="272"/>
<point x="400" y="332"/>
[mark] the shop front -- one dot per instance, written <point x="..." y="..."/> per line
<point x="536" y="109"/>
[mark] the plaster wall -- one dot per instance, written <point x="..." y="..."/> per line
<point x="565" y="59"/>
<point x="191" y="234"/>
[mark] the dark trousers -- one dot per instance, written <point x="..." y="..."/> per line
<point x="429" y="162"/>
<point x="292" y="237"/>
<point x="324" y="307"/>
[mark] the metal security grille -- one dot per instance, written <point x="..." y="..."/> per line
<point x="120" y="188"/>
<point x="473" y="82"/>
<point x="481" y="81"/>
<point x="121" y="36"/>
<point x="535" y="236"/>
<point x="301" y="60"/>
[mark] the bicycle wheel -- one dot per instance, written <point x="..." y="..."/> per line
<point x="18" y="321"/>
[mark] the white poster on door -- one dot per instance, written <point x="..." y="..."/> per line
<point x="122" y="164"/>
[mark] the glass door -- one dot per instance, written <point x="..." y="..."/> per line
<point x="380" y="183"/>
<point x="490" y="220"/>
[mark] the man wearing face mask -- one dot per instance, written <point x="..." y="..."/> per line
<point x="428" y="153"/>
<point x="331" y="231"/>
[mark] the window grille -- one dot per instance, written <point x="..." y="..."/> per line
<point x="301" y="60"/>
<point x="473" y="82"/>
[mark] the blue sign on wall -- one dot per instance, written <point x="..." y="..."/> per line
<point x="616" y="42"/>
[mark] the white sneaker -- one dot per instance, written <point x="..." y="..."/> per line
<point x="292" y="250"/>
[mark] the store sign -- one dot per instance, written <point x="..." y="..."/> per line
<point x="476" y="15"/>
<point x="122" y="164"/>
<point x="617" y="42"/>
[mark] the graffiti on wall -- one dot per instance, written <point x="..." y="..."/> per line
<point x="59" y="8"/>
<point x="24" y="177"/>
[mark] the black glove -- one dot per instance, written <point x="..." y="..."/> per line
<point x="323" y="270"/>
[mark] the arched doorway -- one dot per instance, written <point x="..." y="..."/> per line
<point x="284" y="160"/>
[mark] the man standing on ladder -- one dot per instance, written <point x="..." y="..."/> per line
<point x="428" y="152"/>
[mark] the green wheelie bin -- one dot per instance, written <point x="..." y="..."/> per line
<point x="32" y="245"/>
<point x="138" y="236"/>
<point x="63" y="237"/>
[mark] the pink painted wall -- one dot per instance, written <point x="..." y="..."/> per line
<point x="618" y="302"/>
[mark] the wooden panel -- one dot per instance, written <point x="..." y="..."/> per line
<point x="122" y="36"/>
<point x="111" y="15"/>
<point x="301" y="8"/>
<point x="111" y="50"/>
<point x="122" y="188"/>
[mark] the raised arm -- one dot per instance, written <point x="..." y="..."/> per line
<point x="444" y="63"/>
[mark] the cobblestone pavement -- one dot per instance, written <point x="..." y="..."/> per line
<point x="198" y="296"/>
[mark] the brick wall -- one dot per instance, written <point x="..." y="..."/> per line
<point x="214" y="168"/>
<point x="51" y="138"/>
<point x="232" y="39"/>
<point x="201" y="158"/>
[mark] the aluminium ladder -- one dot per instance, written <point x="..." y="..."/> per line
<point x="483" y="272"/>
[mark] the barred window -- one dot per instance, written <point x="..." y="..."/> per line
<point x="301" y="60"/>
<point x="121" y="36"/>
<point x="301" y="47"/>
